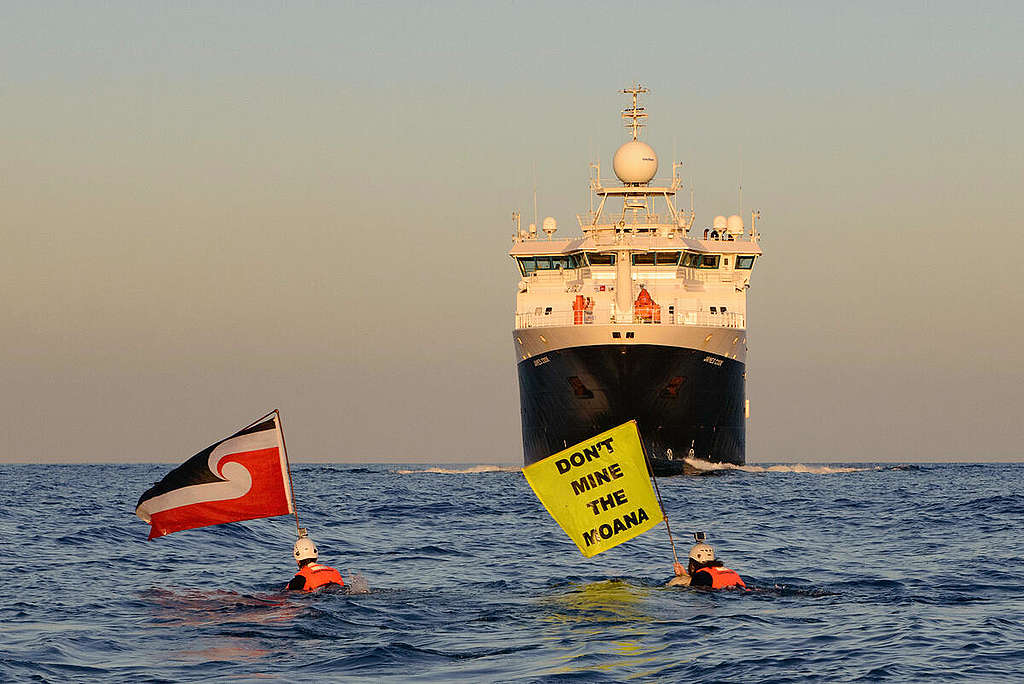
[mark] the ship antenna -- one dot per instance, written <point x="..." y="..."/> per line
<point x="739" y="193"/>
<point x="635" y="113"/>
<point x="534" y="193"/>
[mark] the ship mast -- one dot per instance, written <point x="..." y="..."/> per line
<point x="635" y="113"/>
<point x="635" y="165"/>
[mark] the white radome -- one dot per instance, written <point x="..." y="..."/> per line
<point x="549" y="226"/>
<point x="720" y="223"/>
<point x="635" y="162"/>
<point x="735" y="224"/>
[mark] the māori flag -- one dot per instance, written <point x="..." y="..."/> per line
<point x="242" y="477"/>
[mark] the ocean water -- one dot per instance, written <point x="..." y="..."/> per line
<point x="859" y="573"/>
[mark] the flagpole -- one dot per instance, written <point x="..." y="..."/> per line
<point x="258" y="420"/>
<point x="650" y="469"/>
<point x="288" y="465"/>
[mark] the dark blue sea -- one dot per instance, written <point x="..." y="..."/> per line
<point x="862" y="573"/>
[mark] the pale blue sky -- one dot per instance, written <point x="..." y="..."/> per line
<point x="212" y="209"/>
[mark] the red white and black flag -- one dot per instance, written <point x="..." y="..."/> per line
<point x="239" y="478"/>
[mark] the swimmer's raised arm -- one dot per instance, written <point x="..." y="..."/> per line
<point x="679" y="581"/>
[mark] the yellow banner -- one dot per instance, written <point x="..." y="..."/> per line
<point x="599" y="490"/>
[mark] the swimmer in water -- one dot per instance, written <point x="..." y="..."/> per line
<point x="311" y="575"/>
<point x="704" y="570"/>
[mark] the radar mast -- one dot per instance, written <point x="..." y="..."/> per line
<point x="635" y="113"/>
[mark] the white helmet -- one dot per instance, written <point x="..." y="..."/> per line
<point x="702" y="553"/>
<point x="305" y="549"/>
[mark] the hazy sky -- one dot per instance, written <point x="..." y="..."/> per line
<point x="209" y="210"/>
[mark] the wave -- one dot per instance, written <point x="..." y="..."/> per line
<point x="707" y="466"/>
<point x="462" y="471"/>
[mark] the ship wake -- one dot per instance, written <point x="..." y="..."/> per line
<point x="817" y="469"/>
<point x="473" y="470"/>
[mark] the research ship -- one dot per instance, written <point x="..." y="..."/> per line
<point x="640" y="316"/>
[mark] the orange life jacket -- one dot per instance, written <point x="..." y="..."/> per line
<point x="723" y="578"/>
<point x="319" y="575"/>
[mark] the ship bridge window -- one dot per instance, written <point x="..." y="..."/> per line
<point x="667" y="259"/>
<point x="691" y="259"/>
<point x="527" y="265"/>
<point x="601" y="259"/>
<point x="709" y="261"/>
<point x="549" y="263"/>
<point x="656" y="259"/>
<point x="745" y="262"/>
<point x="643" y="259"/>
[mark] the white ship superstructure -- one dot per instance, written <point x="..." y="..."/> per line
<point x="640" y="316"/>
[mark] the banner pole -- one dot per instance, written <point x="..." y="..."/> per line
<point x="288" y="465"/>
<point x="657" y="490"/>
<point x="260" y="419"/>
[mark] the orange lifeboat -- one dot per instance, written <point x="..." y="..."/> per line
<point x="646" y="310"/>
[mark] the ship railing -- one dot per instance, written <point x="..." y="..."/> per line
<point x="547" y="317"/>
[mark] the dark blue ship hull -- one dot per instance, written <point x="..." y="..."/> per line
<point x="680" y="397"/>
